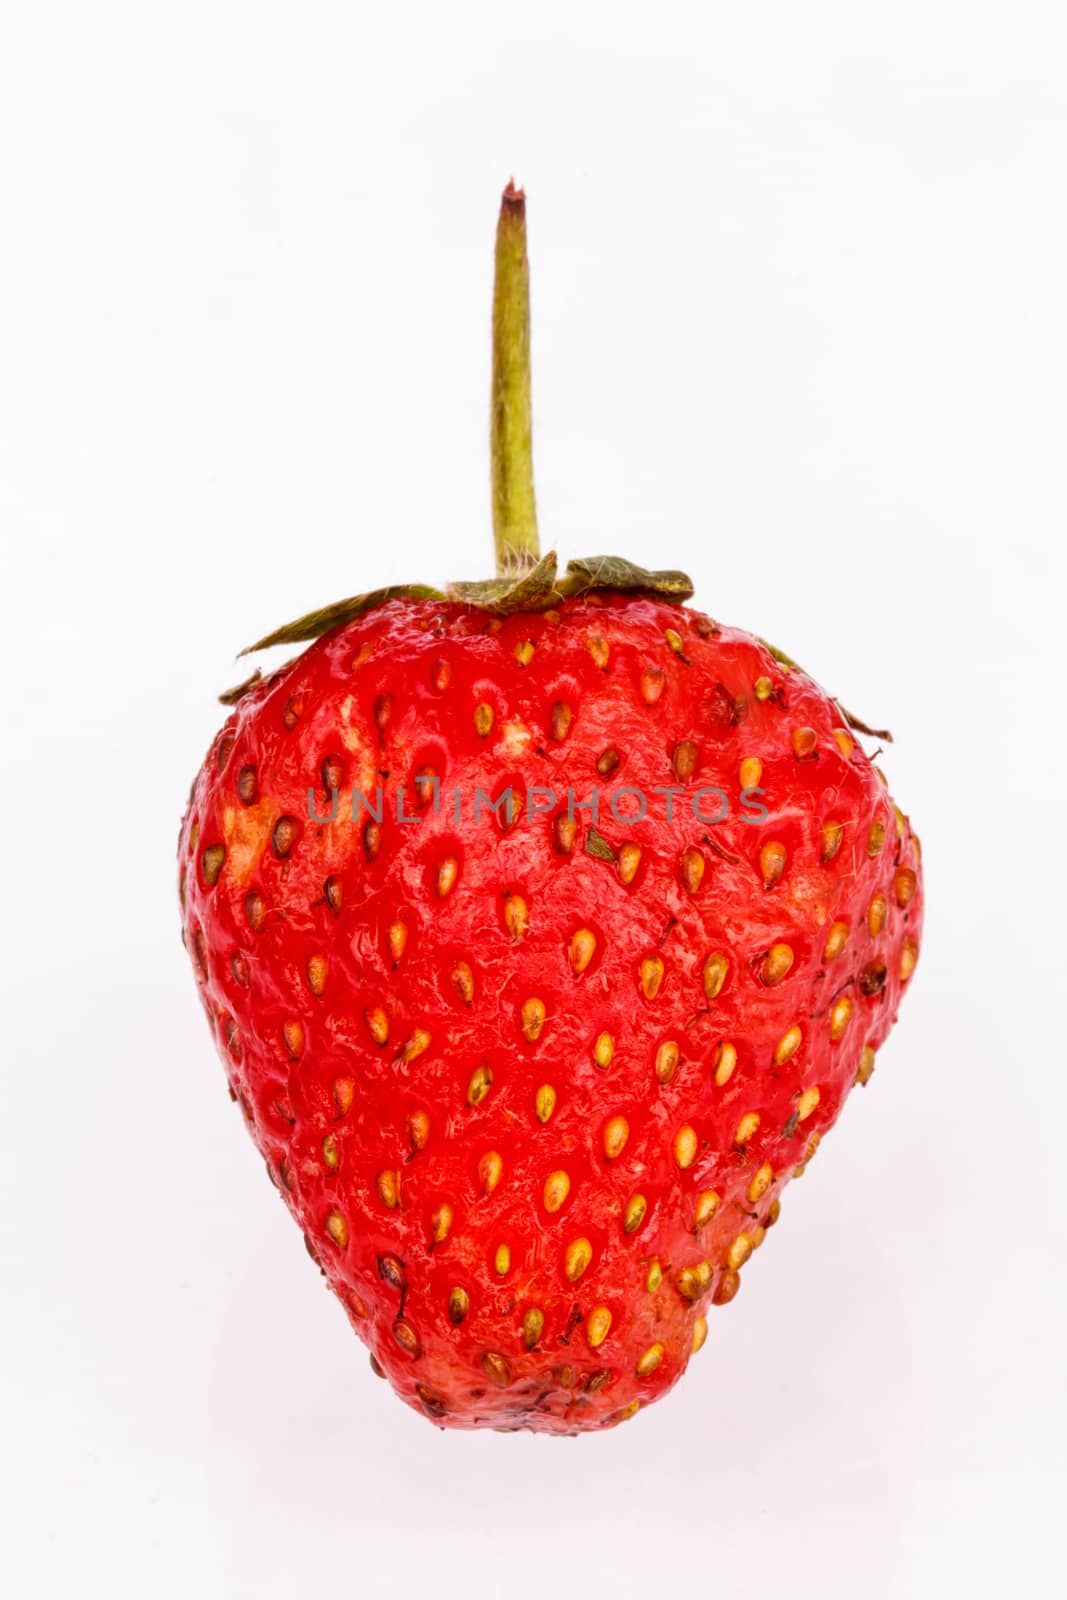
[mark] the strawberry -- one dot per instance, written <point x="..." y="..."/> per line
<point x="543" y="928"/>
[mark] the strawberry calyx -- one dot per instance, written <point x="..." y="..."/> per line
<point x="525" y="579"/>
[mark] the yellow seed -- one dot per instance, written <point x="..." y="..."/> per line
<point x="344" y="1092"/>
<point x="502" y="1261"/>
<point x="761" y="1182"/>
<point x="578" y="1256"/>
<point x="635" y="1213"/>
<point x="398" y="938"/>
<point x="905" y="883"/>
<point x="293" y="1038"/>
<point x="684" y="760"/>
<point x="616" y="1133"/>
<point x="804" y="743"/>
<point x="876" y="837"/>
<point x="909" y="955"/>
<point x="481" y="1082"/>
<point x="772" y="859"/>
<point x="389" y="1188"/>
<point x="692" y="869"/>
<point x="807" y="1103"/>
<point x="655" y="1275"/>
<point x="843" y="741"/>
<point x="447" y="873"/>
<point x="483" y="719"/>
<point x="739" y="1252"/>
<point x="604" y="1051"/>
<point x="666" y="1061"/>
<point x="524" y="652"/>
<point x="418" y="1129"/>
<point x="211" y="863"/>
<point x="750" y="772"/>
<point x="561" y="719"/>
<point x="442" y="1223"/>
<point x="877" y="912"/>
<point x="496" y="1369"/>
<point x="757" y="1236"/>
<point x="583" y="949"/>
<point x="651" y="976"/>
<point x="715" y="969"/>
<point x="628" y="1411"/>
<point x="317" y="967"/>
<point x="746" y="1127"/>
<point x="440" y="673"/>
<point x="840" y="1016"/>
<point x="866" y="1066"/>
<point x="724" y="1061"/>
<point x="490" y="1168"/>
<point x="900" y="821"/>
<point x="331" y="1152"/>
<point x="788" y="1045"/>
<point x="776" y="964"/>
<point x="691" y="1282"/>
<point x="377" y="1025"/>
<point x="836" y="940"/>
<point x="545" y="1102"/>
<point x="516" y="914"/>
<point x="600" y="651"/>
<point x="629" y="861"/>
<point x="831" y="836"/>
<point x="565" y="831"/>
<point x="685" y="1147"/>
<point x="649" y="1360"/>
<point x="463" y="981"/>
<point x="533" y="1018"/>
<point x="700" y="1333"/>
<point x="674" y="640"/>
<point x="337" y="1228"/>
<point x="533" y="1324"/>
<point x="416" y="1046"/>
<point x="597" y="1326"/>
<point x="706" y="1207"/>
<point x="458" y="1305"/>
<point x="557" y="1188"/>
<point x="763" y="688"/>
<point x="652" y="681"/>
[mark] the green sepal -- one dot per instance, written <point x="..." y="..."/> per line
<point x="535" y="590"/>
<point x="613" y="572"/>
<point x="316" y="623"/>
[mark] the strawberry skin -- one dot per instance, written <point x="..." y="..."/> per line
<point x="533" y="1092"/>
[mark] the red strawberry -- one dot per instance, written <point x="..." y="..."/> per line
<point x="532" y="1091"/>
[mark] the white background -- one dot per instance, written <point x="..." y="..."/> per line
<point x="799" y="301"/>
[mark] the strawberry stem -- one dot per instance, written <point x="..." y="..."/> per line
<point x="510" y="425"/>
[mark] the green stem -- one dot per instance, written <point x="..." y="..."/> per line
<point x="510" y="426"/>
